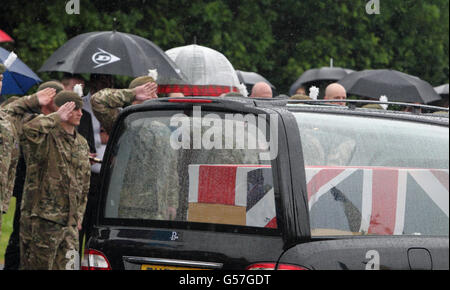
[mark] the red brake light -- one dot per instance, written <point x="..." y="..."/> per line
<point x="184" y="100"/>
<point x="94" y="260"/>
<point x="290" y="267"/>
<point x="271" y="266"/>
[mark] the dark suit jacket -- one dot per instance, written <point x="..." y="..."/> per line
<point x="86" y="130"/>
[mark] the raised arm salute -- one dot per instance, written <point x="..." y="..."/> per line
<point x="57" y="185"/>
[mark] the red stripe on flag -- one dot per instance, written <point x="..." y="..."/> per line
<point x="217" y="185"/>
<point x="442" y="176"/>
<point x="321" y="178"/>
<point x="384" y="202"/>
<point x="272" y="224"/>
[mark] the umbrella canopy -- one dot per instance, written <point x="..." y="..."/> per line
<point x="397" y="86"/>
<point x="442" y="90"/>
<point x="5" y="37"/>
<point x="319" y="74"/>
<point x="113" y="53"/>
<point x="251" y="78"/>
<point x="19" y="78"/>
<point x="204" y="68"/>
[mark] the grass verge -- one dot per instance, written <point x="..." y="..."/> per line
<point x="7" y="227"/>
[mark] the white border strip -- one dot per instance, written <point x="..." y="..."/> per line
<point x="401" y="202"/>
<point x="194" y="171"/>
<point x="366" y="207"/>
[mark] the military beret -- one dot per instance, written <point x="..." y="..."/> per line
<point x="68" y="96"/>
<point x="2" y="68"/>
<point x="300" y="97"/>
<point x="51" y="84"/>
<point x="441" y="112"/>
<point x="373" y="106"/>
<point x="233" y="94"/>
<point x="139" y="81"/>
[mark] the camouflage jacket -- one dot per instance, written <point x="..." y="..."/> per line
<point x="23" y="110"/>
<point x="58" y="172"/>
<point x="18" y="112"/>
<point x="107" y="103"/>
<point x="9" y="156"/>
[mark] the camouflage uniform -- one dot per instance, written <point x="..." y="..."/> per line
<point x="23" y="110"/>
<point x="9" y="156"/>
<point x="18" y="112"/>
<point x="55" y="193"/>
<point x="300" y="97"/>
<point x="156" y="191"/>
<point x="107" y="103"/>
<point x="8" y="101"/>
<point x="12" y="253"/>
<point x="373" y="106"/>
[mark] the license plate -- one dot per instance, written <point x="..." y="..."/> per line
<point x="163" y="267"/>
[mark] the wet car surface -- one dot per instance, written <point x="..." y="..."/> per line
<point x="312" y="187"/>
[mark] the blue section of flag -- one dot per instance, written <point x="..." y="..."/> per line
<point x="340" y="208"/>
<point x="422" y="215"/>
<point x="259" y="182"/>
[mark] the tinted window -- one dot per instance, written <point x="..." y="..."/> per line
<point x="375" y="176"/>
<point x="162" y="171"/>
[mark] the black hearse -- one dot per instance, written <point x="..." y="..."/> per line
<point x="240" y="183"/>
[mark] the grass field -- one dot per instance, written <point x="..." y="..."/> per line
<point x="7" y="226"/>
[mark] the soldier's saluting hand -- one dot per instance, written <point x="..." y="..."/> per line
<point x="54" y="203"/>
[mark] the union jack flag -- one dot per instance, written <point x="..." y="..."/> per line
<point x="383" y="201"/>
<point x="233" y="186"/>
<point x="371" y="200"/>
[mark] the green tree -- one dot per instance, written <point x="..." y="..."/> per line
<point x="278" y="39"/>
<point x="410" y="36"/>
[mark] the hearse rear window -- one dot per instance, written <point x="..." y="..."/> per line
<point x="202" y="167"/>
<point x="375" y="176"/>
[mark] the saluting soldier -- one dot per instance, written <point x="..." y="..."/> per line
<point x="22" y="110"/>
<point x="57" y="183"/>
<point x="107" y="103"/>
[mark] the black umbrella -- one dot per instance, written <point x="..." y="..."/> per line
<point x="251" y="78"/>
<point x="319" y="74"/>
<point x="113" y="53"/>
<point x="397" y="86"/>
<point x="442" y="90"/>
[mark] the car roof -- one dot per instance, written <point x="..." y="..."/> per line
<point x="319" y="106"/>
<point x="434" y="118"/>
